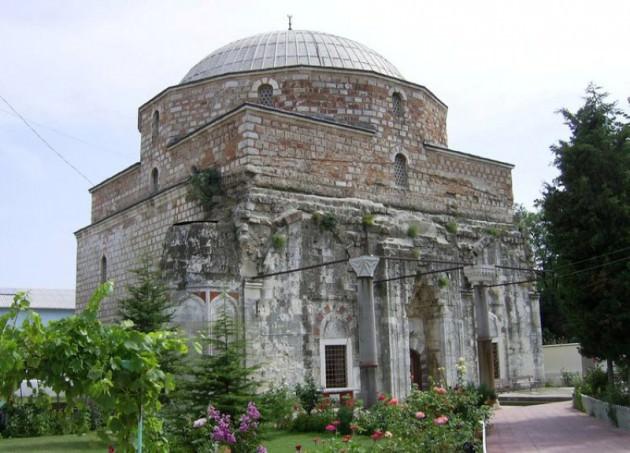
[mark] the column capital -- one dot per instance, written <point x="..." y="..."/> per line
<point x="480" y="274"/>
<point x="364" y="266"/>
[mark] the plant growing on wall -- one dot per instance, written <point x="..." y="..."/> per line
<point x="278" y="240"/>
<point x="205" y="185"/>
<point x="452" y="227"/>
<point x="367" y="220"/>
<point x="412" y="231"/>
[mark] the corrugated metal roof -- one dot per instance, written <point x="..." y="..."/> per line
<point x="41" y="298"/>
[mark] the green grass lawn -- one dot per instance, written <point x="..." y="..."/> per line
<point x="89" y="443"/>
<point x="276" y="442"/>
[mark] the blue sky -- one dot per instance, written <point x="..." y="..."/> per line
<point x="78" y="70"/>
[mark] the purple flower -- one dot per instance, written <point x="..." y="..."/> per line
<point x="261" y="449"/>
<point x="252" y="411"/>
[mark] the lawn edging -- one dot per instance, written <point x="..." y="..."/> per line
<point x="616" y="415"/>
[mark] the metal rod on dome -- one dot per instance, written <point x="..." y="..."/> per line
<point x="290" y="16"/>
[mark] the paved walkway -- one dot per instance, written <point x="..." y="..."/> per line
<point x="553" y="427"/>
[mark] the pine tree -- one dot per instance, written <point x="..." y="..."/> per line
<point x="219" y="376"/>
<point x="148" y="303"/>
<point x="587" y="212"/>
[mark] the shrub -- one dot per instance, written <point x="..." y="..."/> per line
<point x="277" y="406"/>
<point x="443" y="282"/>
<point x="305" y="423"/>
<point x="452" y="227"/>
<point x="308" y="394"/>
<point x="205" y="185"/>
<point x="328" y="221"/>
<point x="278" y="241"/>
<point x="367" y="220"/>
<point x="429" y="421"/>
<point x="412" y="231"/>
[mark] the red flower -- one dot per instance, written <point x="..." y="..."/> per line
<point x="439" y="390"/>
<point x="382" y="397"/>
<point x="441" y="420"/>
<point x="420" y="415"/>
<point x="110" y="449"/>
<point x="393" y="402"/>
<point x="346" y="438"/>
<point x="330" y="427"/>
<point x="378" y="435"/>
<point x="298" y="447"/>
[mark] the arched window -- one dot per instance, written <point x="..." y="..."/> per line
<point x="155" y="127"/>
<point x="265" y="94"/>
<point x="400" y="171"/>
<point x="103" y="269"/>
<point x="155" y="183"/>
<point x="397" y="105"/>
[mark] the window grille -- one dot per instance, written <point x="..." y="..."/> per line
<point x="400" y="171"/>
<point x="397" y="104"/>
<point x="495" y="360"/>
<point x="265" y="94"/>
<point x="335" y="361"/>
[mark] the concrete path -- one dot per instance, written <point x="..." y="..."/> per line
<point x="553" y="427"/>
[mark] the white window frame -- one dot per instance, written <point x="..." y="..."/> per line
<point x="322" y="360"/>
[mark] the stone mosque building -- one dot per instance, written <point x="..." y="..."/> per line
<point x="325" y="152"/>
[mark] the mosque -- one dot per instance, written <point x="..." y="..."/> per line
<point x="323" y="152"/>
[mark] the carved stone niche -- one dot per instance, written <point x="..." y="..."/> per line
<point x="423" y="301"/>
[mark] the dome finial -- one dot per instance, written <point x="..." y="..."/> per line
<point x="290" y="16"/>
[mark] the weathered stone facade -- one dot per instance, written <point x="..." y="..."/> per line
<point x="330" y="144"/>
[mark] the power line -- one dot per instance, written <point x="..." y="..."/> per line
<point x="418" y="274"/>
<point x="70" y="136"/>
<point x="45" y="142"/>
<point x="619" y="260"/>
<point x="289" y="271"/>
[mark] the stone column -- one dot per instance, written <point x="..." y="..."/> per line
<point x="364" y="267"/>
<point x="479" y="276"/>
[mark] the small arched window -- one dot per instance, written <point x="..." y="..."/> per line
<point x="265" y="94"/>
<point x="155" y="182"/>
<point x="397" y="105"/>
<point x="400" y="171"/>
<point x="155" y="127"/>
<point x="103" y="269"/>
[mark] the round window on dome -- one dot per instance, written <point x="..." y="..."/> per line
<point x="265" y="94"/>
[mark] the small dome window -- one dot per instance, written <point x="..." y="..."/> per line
<point x="400" y="171"/>
<point x="155" y="180"/>
<point x="103" y="269"/>
<point x="155" y="126"/>
<point x="397" y="105"/>
<point x="265" y="94"/>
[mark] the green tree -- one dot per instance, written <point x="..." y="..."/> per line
<point x="587" y="213"/>
<point x="148" y="304"/>
<point x="543" y="258"/>
<point x="219" y="375"/>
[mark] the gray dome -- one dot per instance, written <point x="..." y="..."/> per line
<point x="290" y="48"/>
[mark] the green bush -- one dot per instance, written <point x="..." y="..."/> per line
<point x="452" y="227"/>
<point x="439" y="420"/>
<point x="277" y="406"/>
<point x="412" y="231"/>
<point x="278" y="240"/>
<point x="305" y="423"/>
<point x="37" y="415"/>
<point x="308" y="394"/>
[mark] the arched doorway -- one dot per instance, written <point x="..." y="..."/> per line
<point x="415" y="368"/>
